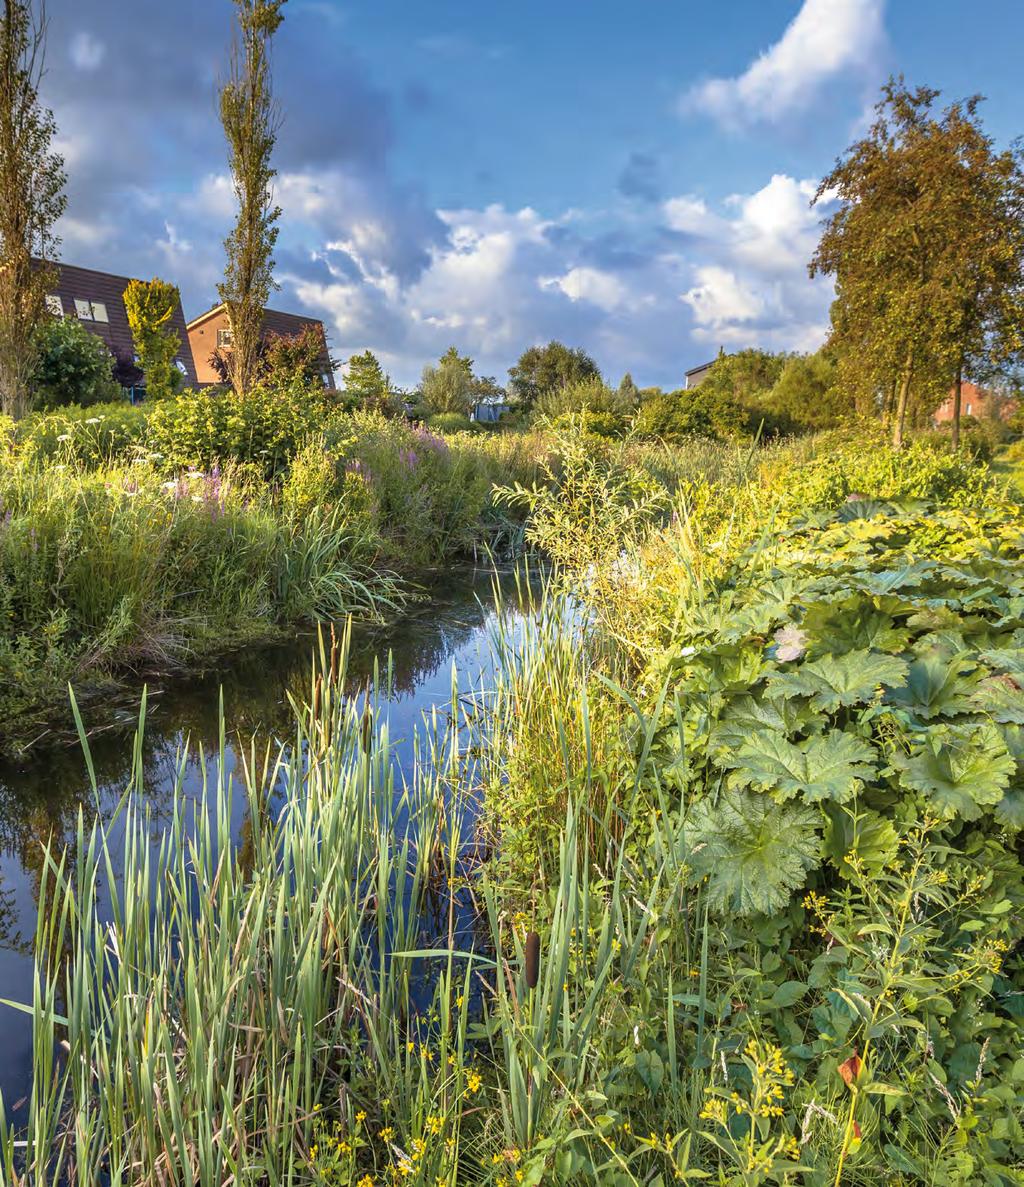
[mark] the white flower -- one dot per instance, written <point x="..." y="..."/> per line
<point x="93" y="420"/>
<point x="64" y="437"/>
<point x="168" y="485"/>
<point x="688" y="651"/>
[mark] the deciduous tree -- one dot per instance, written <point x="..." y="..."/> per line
<point x="249" y="116"/>
<point x="927" y="249"/>
<point x="31" y="199"/>
<point x="548" y="368"/>
<point x="449" y="387"/>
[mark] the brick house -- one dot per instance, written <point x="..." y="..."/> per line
<point x="978" y="402"/>
<point x="96" y="299"/>
<point x="211" y="331"/>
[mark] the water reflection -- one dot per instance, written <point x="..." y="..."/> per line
<point x="42" y="796"/>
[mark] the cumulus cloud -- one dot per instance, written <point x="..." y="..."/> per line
<point x="826" y="38"/>
<point x="751" y="287"/>
<point x="602" y="289"/>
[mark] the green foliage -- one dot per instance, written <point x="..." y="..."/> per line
<point x="450" y="422"/>
<point x="150" y="306"/>
<point x="366" y="385"/>
<point x="598" y="409"/>
<point x="542" y="369"/>
<point x="265" y="427"/>
<point x="449" y="387"/>
<point x="98" y="435"/>
<point x="676" y="416"/>
<point x="72" y="365"/>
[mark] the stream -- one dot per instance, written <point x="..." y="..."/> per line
<point x="41" y="796"/>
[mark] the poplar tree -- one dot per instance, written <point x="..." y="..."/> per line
<point x="31" y="199"/>
<point x="250" y="120"/>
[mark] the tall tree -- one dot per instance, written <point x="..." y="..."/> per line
<point x="365" y="381"/>
<point x="547" y="368"/>
<point x="926" y="247"/>
<point x="150" y="306"/>
<point x="249" y="116"/>
<point x="450" y="386"/>
<point x="31" y="199"/>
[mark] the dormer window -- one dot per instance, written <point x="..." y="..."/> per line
<point x="54" y="305"/>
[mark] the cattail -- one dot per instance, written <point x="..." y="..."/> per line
<point x="367" y="726"/>
<point x="532" y="959"/>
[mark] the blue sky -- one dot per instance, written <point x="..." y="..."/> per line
<point x="631" y="178"/>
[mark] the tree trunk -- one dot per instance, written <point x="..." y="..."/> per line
<point x="958" y="390"/>
<point x="901" y="404"/>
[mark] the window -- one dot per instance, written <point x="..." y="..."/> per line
<point x="181" y="367"/>
<point x="54" y="304"/>
<point x="968" y="410"/>
<point x="328" y="379"/>
<point x="224" y="338"/>
<point x="90" y="310"/>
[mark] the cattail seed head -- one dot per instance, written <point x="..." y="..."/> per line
<point x="532" y="959"/>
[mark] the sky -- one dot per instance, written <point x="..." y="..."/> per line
<point x="631" y="177"/>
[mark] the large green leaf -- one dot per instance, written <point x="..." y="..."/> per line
<point x="866" y="837"/>
<point x="1006" y="659"/>
<point x="833" y="682"/>
<point x="830" y="766"/>
<point x="853" y="624"/>
<point x="754" y="852"/>
<point x="959" y="770"/>
<point x="1010" y="809"/>
<point x="747" y="714"/>
<point x="938" y="685"/>
<point x="1000" y="698"/>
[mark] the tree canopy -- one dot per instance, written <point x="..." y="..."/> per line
<point x="547" y="368"/>
<point x="927" y="250"/>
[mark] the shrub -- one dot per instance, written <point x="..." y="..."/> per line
<point x="266" y="427"/>
<point x="674" y="416"/>
<point x="450" y="422"/>
<point x="73" y="367"/>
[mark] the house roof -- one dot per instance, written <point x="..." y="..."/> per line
<point x="702" y="367"/>
<point x="274" y="320"/>
<point x="107" y="289"/>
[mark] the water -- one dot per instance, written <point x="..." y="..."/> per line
<point x="41" y="797"/>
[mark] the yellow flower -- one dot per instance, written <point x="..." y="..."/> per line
<point x="473" y="1081"/>
<point x="365" y="1181"/>
<point x="386" y="1134"/>
<point x="360" y="1117"/>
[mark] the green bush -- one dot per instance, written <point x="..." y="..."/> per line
<point x="73" y="366"/>
<point x="675" y="416"/>
<point x="450" y="422"/>
<point x="265" y="427"/>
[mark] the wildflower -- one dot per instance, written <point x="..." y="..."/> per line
<point x="360" y="1116"/>
<point x="365" y="1181"/>
<point x="473" y="1081"/>
<point x="386" y="1134"/>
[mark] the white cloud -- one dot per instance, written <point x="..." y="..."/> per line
<point x="87" y="52"/>
<point x="748" y="282"/>
<point x="689" y="214"/>
<point x="600" y="288"/>
<point x="721" y="302"/>
<point x="825" y="38"/>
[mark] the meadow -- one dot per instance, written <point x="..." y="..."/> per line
<point x="720" y="881"/>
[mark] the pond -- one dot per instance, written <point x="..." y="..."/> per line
<point x="42" y="796"/>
